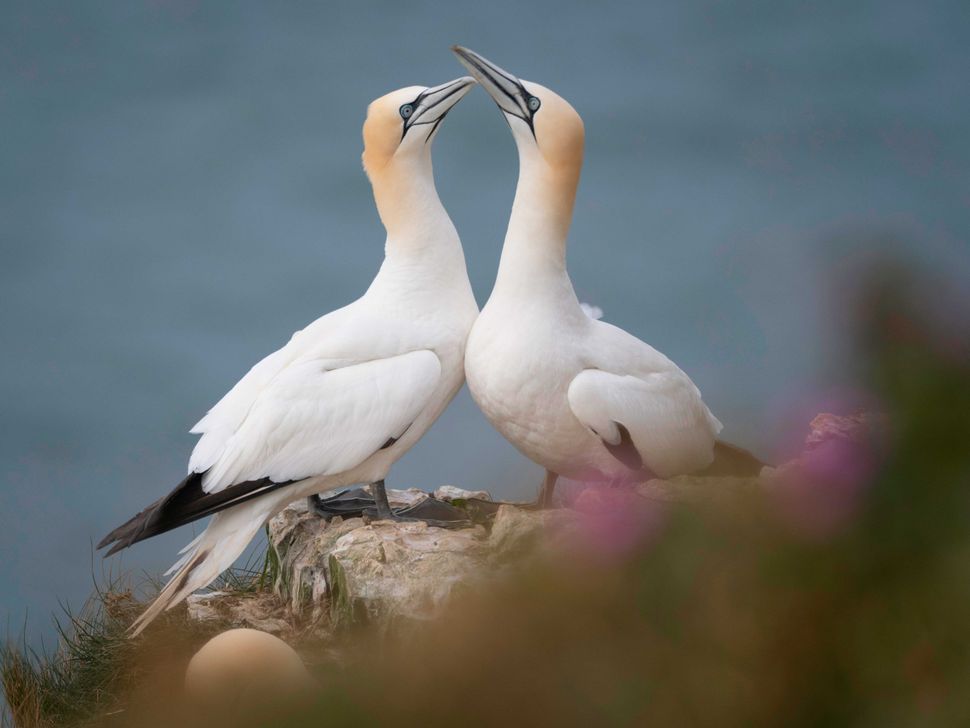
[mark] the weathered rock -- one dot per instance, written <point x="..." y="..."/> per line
<point x="303" y="542"/>
<point x="451" y="493"/>
<point x="836" y="447"/>
<point x="516" y="532"/>
<point x="401" y="498"/>
<point x="860" y="427"/>
<point x="693" y="489"/>
<point x="353" y="571"/>
<point x="386" y="572"/>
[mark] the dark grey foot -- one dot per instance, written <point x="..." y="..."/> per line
<point x="373" y="504"/>
<point x="430" y="510"/>
<point x="350" y="503"/>
<point x="433" y="512"/>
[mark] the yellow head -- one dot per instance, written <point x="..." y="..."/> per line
<point x="540" y="119"/>
<point x="403" y="123"/>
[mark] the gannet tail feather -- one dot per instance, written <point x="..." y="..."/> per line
<point x="186" y="503"/>
<point x="214" y="551"/>
<point x="731" y="460"/>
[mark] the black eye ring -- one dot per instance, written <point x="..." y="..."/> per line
<point x="534" y="103"/>
<point x="406" y="110"/>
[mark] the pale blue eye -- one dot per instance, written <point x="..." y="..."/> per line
<point x="406" y="111"/>
<point x="534" y="103"/>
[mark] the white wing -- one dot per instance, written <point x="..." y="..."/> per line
<point x="315" y="416"/>
<point x="227" y="414"/>
<point x="672" y="430"/>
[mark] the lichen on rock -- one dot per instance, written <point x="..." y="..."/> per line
<point x="387" y="571"/>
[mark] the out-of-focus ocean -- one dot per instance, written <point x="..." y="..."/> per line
<point x="181" y="188"/>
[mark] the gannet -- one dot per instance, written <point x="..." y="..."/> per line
<point x="352" y="392"/>
<point x="584" y="399"/>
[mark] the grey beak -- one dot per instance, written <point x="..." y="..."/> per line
<point x="434" y="103"/>
<point x="506" y="90"/>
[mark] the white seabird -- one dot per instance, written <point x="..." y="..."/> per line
<point x="582" y="398"/>
<point x="353" y="391"/>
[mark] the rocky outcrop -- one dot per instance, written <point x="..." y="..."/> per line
<point x="333" y="574"/>
<point x="862" y="427"/>
<point x="385" y="572"/>
<point x="338" y="573"/>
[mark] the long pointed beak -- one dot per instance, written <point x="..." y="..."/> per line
<point x="507" y="91"/>
<point x="433" y="104"/>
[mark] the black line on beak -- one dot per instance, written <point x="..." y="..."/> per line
<point x="489" y="72"/>
<point x="413" y="119"/>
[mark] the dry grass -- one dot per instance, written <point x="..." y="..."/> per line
<point x="95" y="670"/>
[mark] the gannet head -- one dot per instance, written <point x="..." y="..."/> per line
<point x="540" y="118"/>
<point x="403" y="123"/>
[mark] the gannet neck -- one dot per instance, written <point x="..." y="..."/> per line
<point x="535" y="243"/>
<point x="423" y="258"/>
<point x="409" y="206"/>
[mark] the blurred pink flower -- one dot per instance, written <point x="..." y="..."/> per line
<point x="791" y="412"/>
<point x="823" y="489"/>
<point x="614" y="522"/>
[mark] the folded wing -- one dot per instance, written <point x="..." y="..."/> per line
<point x="315" y="417"/>
<point x="321" y="417"/>
<point x="655" y="422"/>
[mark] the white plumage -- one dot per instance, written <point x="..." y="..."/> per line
<point x="579" y="396"/>
<point x="354" y="390"/>
<point x="319" y="416"/>
<point x="669" y="425"/>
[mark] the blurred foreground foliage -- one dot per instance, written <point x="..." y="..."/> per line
<point x="725" y="616"/>
<point x="95" y="671"/>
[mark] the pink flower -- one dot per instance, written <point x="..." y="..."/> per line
<point x="614" y="521"/>
<point x="823" y="489"/>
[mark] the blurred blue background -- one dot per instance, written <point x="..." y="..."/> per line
<point x="180" y="188"/>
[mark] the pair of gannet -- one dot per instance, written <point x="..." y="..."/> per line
<point x="354" y="390"/>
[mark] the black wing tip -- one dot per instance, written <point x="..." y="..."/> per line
<point x="124" y="535"/>
<point x="119" y="546"/>
<point x="136" y="528"/>
<point x="129" y="526"/>
<point x="118" y="535"/>
<point x="186" y="503"/>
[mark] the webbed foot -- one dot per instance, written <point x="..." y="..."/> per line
<point x="372" y="504"/>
